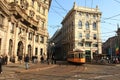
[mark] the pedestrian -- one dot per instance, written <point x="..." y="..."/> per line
<point x="1" y="62"/>
<point x="6" y="59"/>
<point x="26" y="59"/>
<point x="20" y="59"/>
<point x="42" y="59"/>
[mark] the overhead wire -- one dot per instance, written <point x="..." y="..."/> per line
<point x="112" y="16"/>
<point x="61" y="6"/>
<point x="85" y="6"/>
<point x="57" y="13"/>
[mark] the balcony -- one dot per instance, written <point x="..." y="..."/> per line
<point x="20" y="14"/>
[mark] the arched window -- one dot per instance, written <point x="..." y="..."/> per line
<point x="87" y="25"/>
<point x="94" y="36"/>
<point x="94" y="26"/>
<point x="80" y="24"/>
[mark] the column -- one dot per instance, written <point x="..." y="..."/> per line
<point x="26" y="45"/>
<point x="33" y="53"/>
<point x="7" y="25"/>
<point x="15" y="46"/>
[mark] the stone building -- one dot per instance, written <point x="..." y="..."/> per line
<point x="81" y="30"/>
<point x="23" y="27"/>
<point x="111" y="47"/>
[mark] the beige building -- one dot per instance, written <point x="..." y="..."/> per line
<point x="81" y="30"/>
<point x="23" y="27"/>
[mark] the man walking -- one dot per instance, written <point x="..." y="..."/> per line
<point x="26" y="61"/>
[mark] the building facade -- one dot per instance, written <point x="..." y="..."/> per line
<point x="81" y="30"/>
<point x="112" y="46"/>
<point x="23" y="27"/>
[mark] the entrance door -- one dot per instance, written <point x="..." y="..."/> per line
<point x="30" y="51"/>
<point x="20" y="50"/>
<point x="88" y="55"/>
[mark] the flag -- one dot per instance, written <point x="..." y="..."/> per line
<point x="117" y="49"/>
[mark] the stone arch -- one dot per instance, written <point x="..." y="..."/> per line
<point x="10" y="47"/>
<point x="20" y="49"/>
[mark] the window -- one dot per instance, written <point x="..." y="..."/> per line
<point x="30" y="36"/>
<point x="80" y="35"/>
<point x="20" y="31"/>
<point x="95" y="45"/>
<point x="43" y="24"/>
<point x="42" y="39"/>
<point x="94" y="36"/>
<point x="94" y="26"/>
<point x="87" y="25"/>
<point x="94" y="16"/>
<point x="31" y="13"/>
<point x="87" y="15"/>
<point x="37" y="38"/>
<point x="21" y="2"/>
<point x="43" y="11"/>
<point x="41" y="51"/>
<point x="1" y="20"/>
<point x="12" y="28"/>
<point x="80" y="24"/>
<point x="38" y="8"/>
<point x="36" y="51"/>
<point x="80" y="44"/>
<point x="87" y="36"/>
<point x="87" y="44"/>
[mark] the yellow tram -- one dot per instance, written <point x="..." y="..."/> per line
<point x="76" y="56"/>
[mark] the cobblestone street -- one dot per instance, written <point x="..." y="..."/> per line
<point x="60" y="71"/>
<point x="71" y="72"/>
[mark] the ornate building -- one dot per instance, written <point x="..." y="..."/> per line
<point x="80" y="30"/>
<point x="23" y="27"/>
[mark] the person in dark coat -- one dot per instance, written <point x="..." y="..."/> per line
<point x="1" y="62"/>
<point x="6" y="59"/>
<point x="26" y="61"/>
<point x="42" y="59"/>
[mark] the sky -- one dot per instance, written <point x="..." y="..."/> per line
<point x="110" y="19"/>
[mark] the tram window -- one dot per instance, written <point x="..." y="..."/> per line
<point x="76" y="55"/>
<point x="79" y="55"/>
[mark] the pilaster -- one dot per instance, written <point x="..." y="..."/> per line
<point x="7" y="38"/>
<point x="33" y="44"/>
<point x="16" y="42"/>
